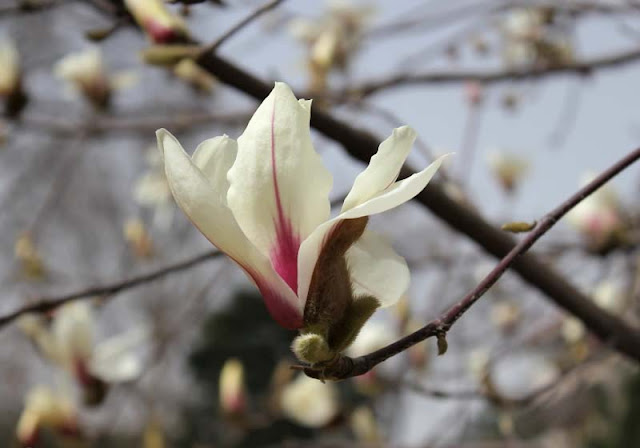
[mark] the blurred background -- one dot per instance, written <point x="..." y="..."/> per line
<point x="178" y="349"/>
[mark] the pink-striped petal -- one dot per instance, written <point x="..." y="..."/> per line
<point x="279" y="190"/>
<point x="201" y="197"/>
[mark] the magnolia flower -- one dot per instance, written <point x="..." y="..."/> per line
<point x="309" y="402"/>
<point x="46" y="409"/>
<point x="233" y="394"/>
<point x="508" y="169"/>
<point x="264" y="201"/>
<point x="157" y="21"/>
<point x="69" y="341"/>
<point x="85" y="72"/>
<point x="333" y="40"/>
<point x="599" y="218"/>
<point x="531" y="38"/>
<point x="152" y="190"/>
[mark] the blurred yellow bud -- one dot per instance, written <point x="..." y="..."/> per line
<point x="9" y="68"/>
<point x="25" y="251"/>
<point x="364" y="426"/>
<point x="153" y="436"/>
<point x="194" y="75"/>
<point x="138" y="238"/>
<point x="505" y="315"/>
<point x="169" y="55"/>
<point x="233" y="393"/>
<point x="508" y="169"/>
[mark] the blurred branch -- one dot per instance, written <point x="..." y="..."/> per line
<point x="629" y="343"/>
<point x="179" y="121"/>
<point x="26" y="6"/>
<point x="362" y="146"/>
<point x="581" y="68"/>
<point x="240" y="25"/>
<point x="46" y="304"/>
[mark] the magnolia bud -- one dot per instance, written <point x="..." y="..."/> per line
<point x="312" y="348"/>
<point x="11" y="79"/>
<point x="138" y="238"/>
<point x="508" y="169"/>
<point x="364" y="425"/>
<point x="233" y="394"/>
<point x="196" y="76"/>
<point x="169" y="54"/>
<point x="86" y="73"/>
<point x="158" y="22"/>
<point x="26" y="252"/>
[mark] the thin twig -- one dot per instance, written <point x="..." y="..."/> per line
<point x="132" y="124"/>
<point x="213" y="47"/>
<point x="346" y="367"/>
<point x="46" y="304"/>
<point x="582" y="68"/>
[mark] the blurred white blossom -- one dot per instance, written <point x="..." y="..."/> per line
<point x="508" y="169"/>
<point x="45" y="409"/>
<point x="86" y="74"/>
<point x="331" y="40"/>
<point x="310" y="402"/>
<point x="69" y="340"/>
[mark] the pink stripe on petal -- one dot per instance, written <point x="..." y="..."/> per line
<point x="282" y="311"/>
<point x="284" y="255"/>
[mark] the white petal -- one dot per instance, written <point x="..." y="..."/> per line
<point x="396" y="194"/>
<point x="73" y="332"/>
<point x="214" y="157"/>
<point x="377" y="270"/>
<point x="279" y="190"/>
<point x="115" y="360"/>
<point x="383" y="168"/>
<point x="205" y="207"/>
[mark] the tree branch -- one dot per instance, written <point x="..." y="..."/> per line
<point x="346" y="367"/>
<point x="362" y="146"/>
<point x="44" y="305"/>
<point x="240" y="25"/>
<point x="581" y="68"/>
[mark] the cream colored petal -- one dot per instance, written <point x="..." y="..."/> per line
<point x="383" y="168"/>
<point x="377" y="270"/>
<point x="214" y="157"/>
<point x="398" y="193"/>
<point x="279" y="187"/>
<point x="202" y="203"/>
